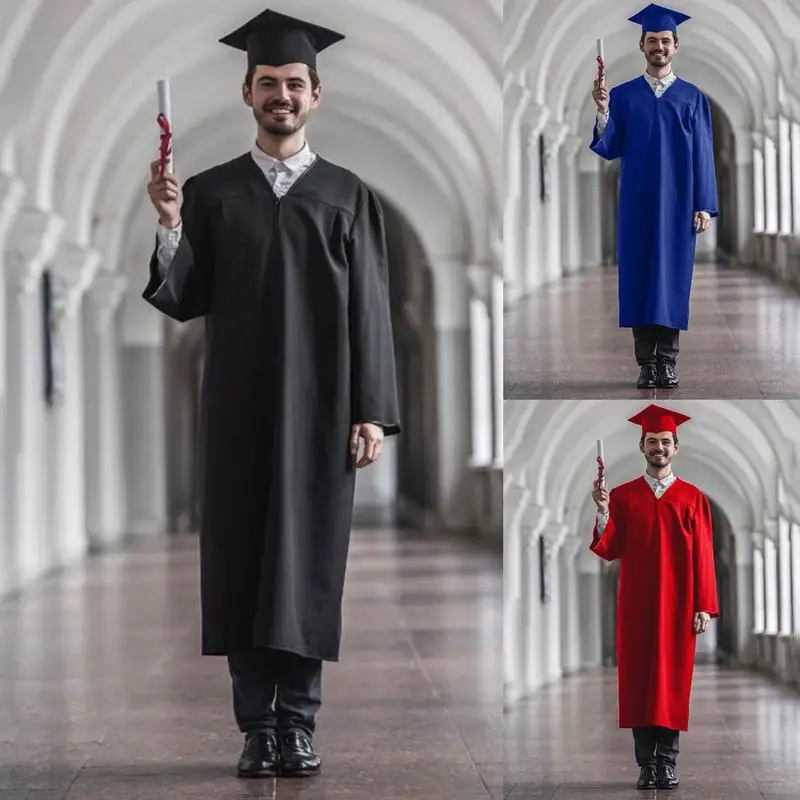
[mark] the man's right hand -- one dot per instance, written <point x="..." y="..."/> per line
<point x="165" y="195"/>
<point x="600" y="497"/>
<point x="600" y="96"/>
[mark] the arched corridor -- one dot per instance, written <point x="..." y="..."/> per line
<point x="560" y="599"/>
<point x="560" y="207"/>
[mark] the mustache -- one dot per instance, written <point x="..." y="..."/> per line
<point x="284" y="106"/>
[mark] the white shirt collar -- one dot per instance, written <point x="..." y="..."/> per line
<point x="668" y="481"/>
<point x="667" y="80"/>
<point x="291" y="164"/>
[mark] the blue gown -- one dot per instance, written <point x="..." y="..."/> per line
<point x="666" y="174"/>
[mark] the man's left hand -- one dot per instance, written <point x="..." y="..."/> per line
<point x="702" y="620"/>
<point x="702" y="221"/>
<point x="373" y="441"/>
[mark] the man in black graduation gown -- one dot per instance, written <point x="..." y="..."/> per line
<point x="284" y="255"/>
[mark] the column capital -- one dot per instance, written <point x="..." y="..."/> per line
<point x="480" y="281"/>
<point x="33" y="240"/>
<point x="74" y="268"/>
<point x="572" y="545"/>
<point x="757" y="137"/>
<point x="555" y="132"/>
<point x="105" y="295"/>
<point x="554" y="535"/>
<point x="12" y="193"/>
<point x="534" y="119"/>
<point x="771" y="128"/>
<point x="572" y="146"/>
<point x="515" y="100"/>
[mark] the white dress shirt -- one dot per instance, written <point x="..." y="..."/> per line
<point x="658" y="85"/>
<point x="281" y="176"/>
<point x="658" y="485"/>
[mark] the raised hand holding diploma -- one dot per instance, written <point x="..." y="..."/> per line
<point x="165" y="123"/>
<point x="600" y="495"/>
<point x="600" y="93"/>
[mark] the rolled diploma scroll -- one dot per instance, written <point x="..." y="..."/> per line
<point x="165" y="108"/>
<point x="600" y="50"/>
<point x="600" y="456"/>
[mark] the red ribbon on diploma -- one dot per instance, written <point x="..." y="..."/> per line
<point x="601" y="70"/>
<point x="166" y="142"/>
<point x="601" y="471"/>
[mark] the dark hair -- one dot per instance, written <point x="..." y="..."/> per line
<point x="644" y="35"/>
<point x="315" y="82"/>
<point x="674" y="436"/>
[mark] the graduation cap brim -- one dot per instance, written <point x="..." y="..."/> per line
<point x="656" y="18"/>
<point x="273" y="39"/>
<point x="655" y="419"/>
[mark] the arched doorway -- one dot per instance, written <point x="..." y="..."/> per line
<point x="719" y="243"/>
<point x="718" y="644"/>
<point x="400" y="489"/>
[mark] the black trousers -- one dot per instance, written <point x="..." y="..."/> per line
<point x="655" y="344"/>
<point x="655" y="745"/>
<point x="275" y="691"/>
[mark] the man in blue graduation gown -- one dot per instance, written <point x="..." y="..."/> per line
<point x="660" y="126"/>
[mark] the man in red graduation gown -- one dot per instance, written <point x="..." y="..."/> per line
<point x="284" y="255"/>
<point x="660" y="126"/>
<point x="659" y="527"/>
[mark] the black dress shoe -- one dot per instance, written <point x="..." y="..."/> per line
<point x="648" y="377"/>
<point x="298" y="757"/>
<point x="667" y="779"/>
<point x="667" y="379"/>
<point x="648" y="779"/>
<point x="260" y="757"/>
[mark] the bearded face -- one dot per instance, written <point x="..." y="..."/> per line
<point x="282" y="98"/>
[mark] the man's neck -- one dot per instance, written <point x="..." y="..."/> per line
<point x="282" y="147"/>
<point x="659" y="72"/>
<point x="659" y="473"/>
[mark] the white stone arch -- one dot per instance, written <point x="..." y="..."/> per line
<point x="424" y="43"/>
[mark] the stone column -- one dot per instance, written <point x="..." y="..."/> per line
<point x="105" y="463"/>
<point x="515" y="101"/>
<point x="497" y="323"/>
<point x="745" y="184"/>
<point x="590" y="208"/>
<point x="451" y="320"/>
<point x="553" y="535"/>
<point x="795" y="175"/>
<point x="33" y="240"/>
<point x="771" y="174"/>
<point x="554" y="135"/>
<point x="480" y="330"/>
<point x="759" y="183"/>
<point x="72" y="269"/>
<point x="570" y="597"/>
<point x="571" y="205"/>
<point x="12" y="191"/>
<point x="531" y="245"/>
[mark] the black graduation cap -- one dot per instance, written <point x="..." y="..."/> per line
<point x="656" y="18"/>
<point x="272" y="40"/>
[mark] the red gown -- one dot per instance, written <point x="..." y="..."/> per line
<point x="666" y="553"/>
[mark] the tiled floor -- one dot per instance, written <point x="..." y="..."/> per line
<point x="103" y="694"/>
<point x="743" y="340"/>
<point x="743" y="742"/>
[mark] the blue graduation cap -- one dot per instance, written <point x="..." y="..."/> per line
<point x="656" y="18"/>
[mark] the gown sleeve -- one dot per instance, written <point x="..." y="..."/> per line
<point x="609" y="545"/>
<point x="185" y="291"/>
<point x="705" y="179"/>
<point x="611" y="144"/>
<point x="705" y="582"/>
<point x="373" y="378"/>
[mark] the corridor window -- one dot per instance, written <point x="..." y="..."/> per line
<point x="785" y="570"/>
<point x="771" y="584"/>
<point x="758" y="590"/>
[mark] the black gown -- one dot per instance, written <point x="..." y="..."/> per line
<point x="298" y="349"/>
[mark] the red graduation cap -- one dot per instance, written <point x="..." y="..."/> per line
<point x="655" y="419"/>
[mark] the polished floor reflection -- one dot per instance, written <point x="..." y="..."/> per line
<point x="743" y="742"/>
<point x="103" y="695"/>
<point x="743" y="342"/>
